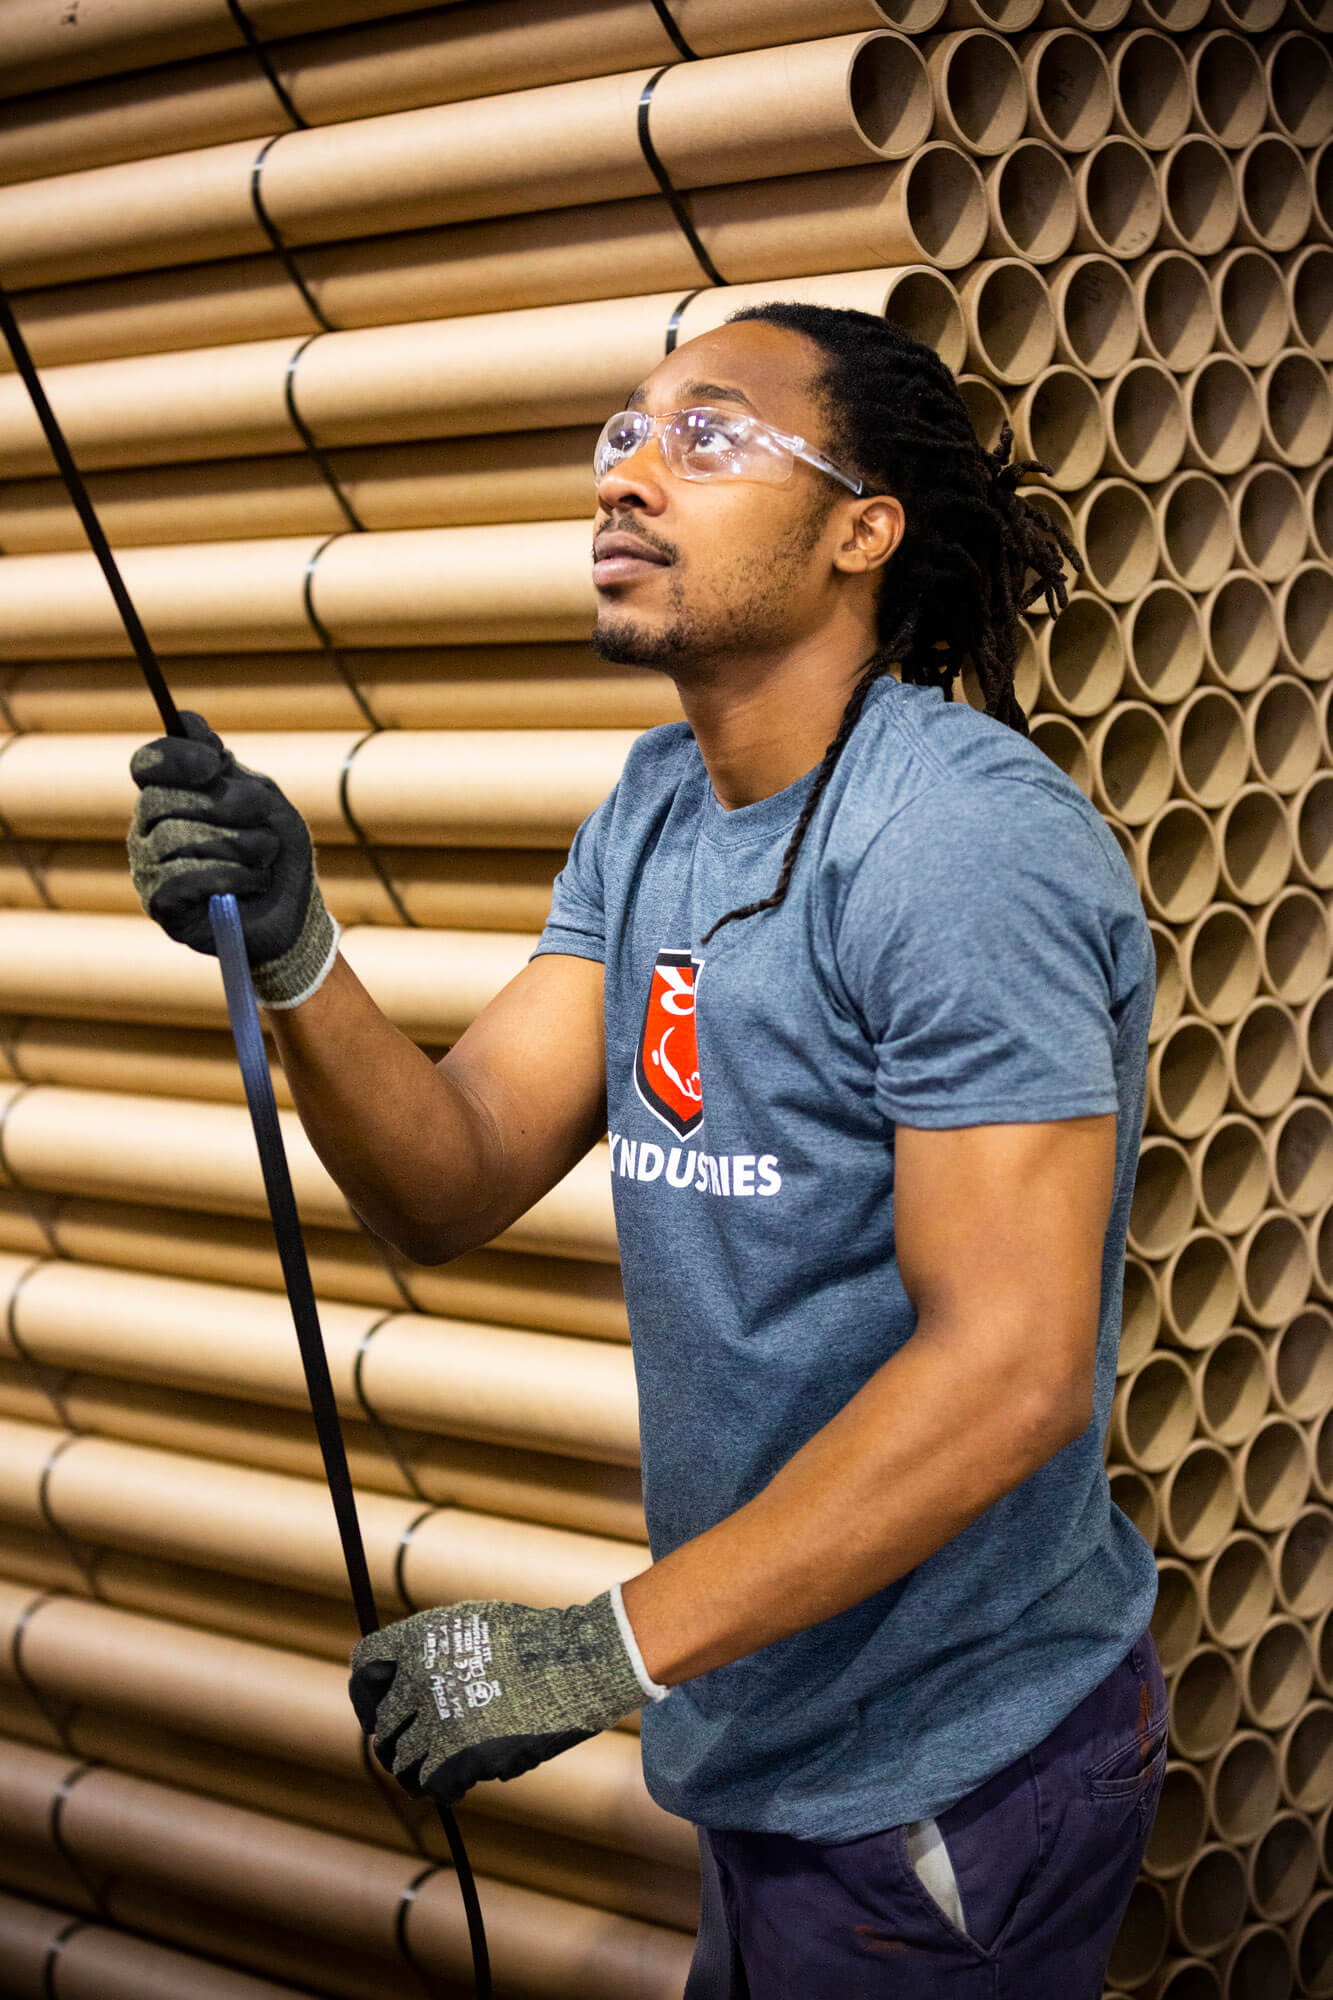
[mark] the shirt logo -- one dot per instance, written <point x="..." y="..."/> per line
<point x="666" y="1064"/>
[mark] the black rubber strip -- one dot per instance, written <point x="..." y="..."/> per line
<point x="321" y="460"/>
<point x="325" y="637"/>
<point x="673" y="324"/>
<point x="364" y="841"/>
<point x="663" y="179"/>
<point x="371" y="1414"/>
<point x="53" y="1951"/>
<point x="275" y="237"/>
<point x="261" y="56"/>
<point x="669" y="22"/>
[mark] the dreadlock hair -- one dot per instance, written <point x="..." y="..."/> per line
<point x="973" y="554"/>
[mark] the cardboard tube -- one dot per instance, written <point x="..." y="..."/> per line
<point x="1305" y="611"/>
<point x="1163" y="1208"/>
<point x="731" y="118"/>
<point x="1273" y="189"/>
<point x="1140" y="1315"/>
<point x="1010" y="325"/>
<point x="1269" y="510"/>
<point x="1242" y="631"/>
<point x="1177" y="309"/>
<point x="1209" y="745"/>
<point x="1118" y="536"/>
<point x="1223" y="414"/>
<point x="1151" y="87"/>
<point x="1097" y="328"/>
<point x="539" y="1391"/>
<point x="1070" y="98"/>
<point x="1179" y="861"/>
<point x="463" y="687"/>
<point x="1201" y="1292"/>
<point x="370" y="386"/>
<point x="501" y="786"/>
<point x="1060" y="420"/>
<point x="1131" y="762"/>
<point x="1197" y="529"/>
<point x="1174" y="17"/>
<point x="1253" y="308"/>
<point x="1227" y="83"/>
<point x="1301" y="1139"/>
<point x="1066" y="746"/>
<point x="1169" y="998"/>
<point x="95" y="1960"/>
<point x="1255" y="843"/>
<point x="1264" y="1050"/>
<point x="1231" y="1172"/>
<point x="1307" y="818"/>
<point x="66" y="1141"/>
<point x="1300" y="1363"/>
<point x="1145" y="421"/>
<point x="1309" y="279"/>
<point x="274" y="1871"/>
<point x="1187" y="1078"/>
<point x="1296" y="944"/>
<point x="980" y="102"/>
<point x="922" y="300"/>
<point x="1282" y="730"/>
<point x="1297" y="405"/>
<point x="1221" y="963"/>
<point x="1153" y="1413"/>
<point x="454" y="482"/>
<point x="396" y="66"/>
<point x="1033" y="209"/>
<point x="1198" y="1502"/>
<point x="1082" y="656"/>
<point x="1236" y="1584"/>
<point x="1200" y="195"/>
<point x="404" y="587"/>
<point x="1274" y="1465"/>
<point x="1119" y="202"/>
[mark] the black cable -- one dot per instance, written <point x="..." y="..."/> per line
<point x="92" y="527"/>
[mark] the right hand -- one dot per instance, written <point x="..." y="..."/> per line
<point x="205" y="825"/>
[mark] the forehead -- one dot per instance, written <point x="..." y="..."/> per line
<point x="766" y="369"/>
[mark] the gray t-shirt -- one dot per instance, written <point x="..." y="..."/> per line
<point x="962" y="943"/>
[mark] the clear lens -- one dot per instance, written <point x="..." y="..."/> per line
<point x="710" y="444"/>
<point x="621" y="435"/>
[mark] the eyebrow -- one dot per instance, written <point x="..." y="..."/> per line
<point x="725" y="391"/>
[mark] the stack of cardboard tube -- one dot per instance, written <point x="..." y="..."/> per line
<point x="331" y="297"/>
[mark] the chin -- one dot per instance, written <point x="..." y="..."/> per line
<point x="627" y="643"/>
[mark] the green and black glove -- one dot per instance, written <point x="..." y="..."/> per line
<point x="480" y="1689"/>
<point x="205" y="825"/>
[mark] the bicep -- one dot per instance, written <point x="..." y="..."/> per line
<point x="533" y="1066"/>
<point x="1000" y="1232"/>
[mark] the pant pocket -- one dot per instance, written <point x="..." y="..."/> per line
<point x="925" y="1848"/>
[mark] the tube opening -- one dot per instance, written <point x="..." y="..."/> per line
<point x="1072" y="91"/>
<point x="890" y="95"/>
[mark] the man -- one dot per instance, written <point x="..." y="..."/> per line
<point x="859" y="983"/>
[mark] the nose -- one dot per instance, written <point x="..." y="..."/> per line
<point x="640" y="479"/>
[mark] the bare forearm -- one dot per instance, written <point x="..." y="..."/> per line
<point x="925" y="1447"/>
<point x="402" y="1141"/>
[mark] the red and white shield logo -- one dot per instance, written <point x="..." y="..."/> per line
<point x="666" y="1064"/>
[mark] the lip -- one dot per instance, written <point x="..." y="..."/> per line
<point x="622" y="558"/>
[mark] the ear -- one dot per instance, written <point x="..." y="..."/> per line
<point x="874" y="529"/>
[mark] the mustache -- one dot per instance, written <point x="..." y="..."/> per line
<point x="628" y="524"/>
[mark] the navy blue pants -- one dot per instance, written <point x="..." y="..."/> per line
<point x="1038" y="1862"/>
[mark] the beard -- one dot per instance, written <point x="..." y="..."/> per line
<point x="699" y="635"/>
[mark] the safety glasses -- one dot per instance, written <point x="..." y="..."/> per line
<point x="712" y="444"/>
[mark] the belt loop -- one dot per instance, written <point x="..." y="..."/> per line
<point x="663" y="179"/>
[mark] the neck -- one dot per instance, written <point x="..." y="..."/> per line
<point x="763" y="721"/>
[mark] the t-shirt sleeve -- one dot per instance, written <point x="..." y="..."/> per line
<point x="576" y="924"/>
<point x="975" y="944"/>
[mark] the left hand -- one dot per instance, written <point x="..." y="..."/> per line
<point x="485" y="1690"/>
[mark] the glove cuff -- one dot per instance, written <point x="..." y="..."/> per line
<point x="303" y="968"/>
<point x="653" y="1689"/>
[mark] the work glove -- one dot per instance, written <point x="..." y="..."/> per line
<point x="204" y="825"/>
<point x="485" y="1690"/>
